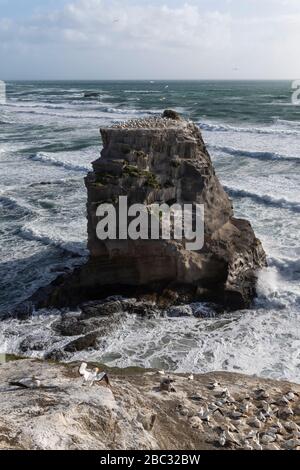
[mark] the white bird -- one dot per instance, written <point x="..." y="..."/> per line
<point x="230" y="438"/>
<point x="285" y="412"/>
<point x="244" y="408"/>
<point x="26" y="382"/>
<point x="268" y="439"/>
<point x="256" y="444"/>
<point x="92" y="376"/>
<point x="292" y="443"/>
<point x="261" y="417"/>
<point x="290" y="396"/>
<point x="204" y="413"/>
<point x="261" y="394"/>
<point x="191" y="377"/>
<point x="222" y="393"/>
<point x="291" y="426"/>
<point x="222" y="439"/>
<point x="283" y="401"/>
<point x="247" y="446"/>
<point x="255" y="422"/>
<point x="214" y="385"/>
<point x="267" y="410"/>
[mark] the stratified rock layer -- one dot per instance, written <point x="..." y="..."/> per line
<point x="164" y="160"/>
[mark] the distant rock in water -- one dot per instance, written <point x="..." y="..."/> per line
<point x="162" y="160"/>
<point x="91" y="94"/>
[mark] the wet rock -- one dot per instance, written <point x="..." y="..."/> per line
<point x="180" y="311"/>
<point x="100" y="309"/>
<point x="24" y="310"/>
<point x="56" y="355"/>
<point x="82" y="343"/>
<point x="91" y="94"/>
<point x="69" y="327"/>
<point x="33" y="343"/>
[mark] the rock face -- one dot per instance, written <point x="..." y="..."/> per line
<point x="137" y="412"/>
<point x="164" y="160"/>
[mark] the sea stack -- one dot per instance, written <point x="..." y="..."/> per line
<point x="163" y="160"/>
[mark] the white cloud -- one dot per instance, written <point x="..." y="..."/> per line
<point x="188" y="40"/>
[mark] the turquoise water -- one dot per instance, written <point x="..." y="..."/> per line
<point x="49" y="135"/>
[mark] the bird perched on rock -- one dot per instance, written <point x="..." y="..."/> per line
<point x="282" y="401"/>
<point x="166" y="385"/>
<point x="222" y="439"/>
<point x="90" y="377"/>
<point x="261" y="394"/>
<point x="236" y="415"/>
<point x="255" y="423"/>
<point x="291" y="426"/>
<point x="267" y="438"/>
<point x="292" y="444"/>
<point x="26" y="382"/>
<point x="196" y="423"/>
<point x="244" y="407"/>
<point x="290" y="396"/>
<point x="204" y="413"/>
<point x="230" y="439"/>
<point x="214" y="385"/>
<point x="255" y="443"/>
<point x="286" y="412"/>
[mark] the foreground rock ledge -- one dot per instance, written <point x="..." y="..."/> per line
<point x="135" y="414"/>
<point x="162" y="160"/>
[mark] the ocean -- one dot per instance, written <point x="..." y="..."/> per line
<point x="49" y="135"/>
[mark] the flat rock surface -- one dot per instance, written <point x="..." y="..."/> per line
<point x="142" y="410"/>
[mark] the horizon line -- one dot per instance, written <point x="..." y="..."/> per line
<point x="148" y="79"/>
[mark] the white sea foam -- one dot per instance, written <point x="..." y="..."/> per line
<point x="48" y="159"/>
<point x="264" y="198"/>
<point x="273" y="156"/>
<point x="215" y="127"/>
<point x="53" y="236"/>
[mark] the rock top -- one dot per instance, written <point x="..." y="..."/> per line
<point x="163" y="160"/>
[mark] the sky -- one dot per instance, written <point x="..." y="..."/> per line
<point x="149" y="39"/>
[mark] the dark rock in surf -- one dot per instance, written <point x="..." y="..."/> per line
<point x="82" y="343"/>
<point x="91" y="94"/>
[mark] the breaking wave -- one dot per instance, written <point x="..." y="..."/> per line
<point x="12" y="204"/>
<point x="49" y="160"/>
<point x="249" y="130"/>
<point x="264" y="199"/>
<point x="75" y="248"/>
<point x="273" y="156"/>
